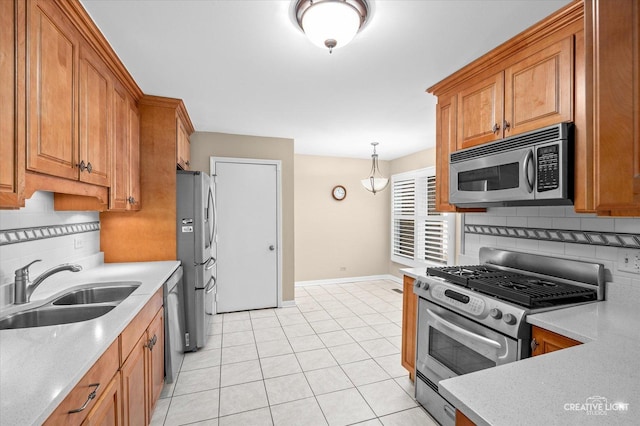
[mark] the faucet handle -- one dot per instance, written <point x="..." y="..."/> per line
<point x="24" y="271"/>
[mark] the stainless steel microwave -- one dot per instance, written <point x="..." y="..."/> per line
<point x="533" y="168"/>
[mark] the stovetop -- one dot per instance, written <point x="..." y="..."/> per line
<point x="516" y="287"/>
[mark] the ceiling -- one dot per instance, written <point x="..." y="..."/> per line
<point x="243" y="67"/>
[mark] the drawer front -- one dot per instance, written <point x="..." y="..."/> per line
<point x="96" y="380"/>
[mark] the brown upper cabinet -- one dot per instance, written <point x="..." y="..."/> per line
<point x="580" y="64"/>
<point x="524" y="84"/>
<point x="68" y="104"/>
<point x="125" y="182"/>
<point x="63" y="80"/>
<point x="183" y="156"/>
<point x="12" y="93"/>
<point x="534" y="92"/>
<point x="52" y="140"/>
<point x="612" y="153"/>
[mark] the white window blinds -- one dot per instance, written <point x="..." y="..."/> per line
<point x="420" y="235"/>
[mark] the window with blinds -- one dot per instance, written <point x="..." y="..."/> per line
<point x="420" y="234"/>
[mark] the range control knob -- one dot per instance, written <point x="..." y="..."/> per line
<point x="510" y="319"/>
<point x="422" y="284"/>
<point x="495" y="313"/>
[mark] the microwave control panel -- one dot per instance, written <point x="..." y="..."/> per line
<point x="548" y="166"/>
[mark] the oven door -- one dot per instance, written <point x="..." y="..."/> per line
<point x="450" y="345"/>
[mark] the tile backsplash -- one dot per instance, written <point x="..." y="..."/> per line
<point x="622" y="287"/>
<point x="69" y="246"/>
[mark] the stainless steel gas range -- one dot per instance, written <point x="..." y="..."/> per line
<point x="473" y="317"/>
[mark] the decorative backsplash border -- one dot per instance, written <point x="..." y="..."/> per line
<point x="611" y="239"/>
<point x="23" y="235"/>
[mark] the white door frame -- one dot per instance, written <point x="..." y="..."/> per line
<point x="278" y="164"/>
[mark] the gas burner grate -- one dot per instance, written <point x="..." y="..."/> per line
<point x="529" y="291"/>
<point x="462" y="274"/>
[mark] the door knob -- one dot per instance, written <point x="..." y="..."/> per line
<point x="272" y="248"/>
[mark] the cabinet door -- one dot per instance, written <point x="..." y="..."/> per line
<point x="539" y="89"/>
<point x="480" y="112"/>
<point x="53" y="64"/>
<point x="409" y="318"/>
<point x="134" y="385"/>
<point x="547" y="341"/>
<point x="120" y="172"/>
<point x="94" y="105"/>
<point x="134" y="200"/>
<point x="156" y="359"/>
<point x="613" y="30"/>
<point x="183" y="145"/>
<point x="445" y="144"/>
<point x="107" y="411"/>
<point x="12" y="101"/>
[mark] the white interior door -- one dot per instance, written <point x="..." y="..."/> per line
<point x="247" y="243"/>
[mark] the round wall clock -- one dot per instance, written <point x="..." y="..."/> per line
<point x="339" y="192"/>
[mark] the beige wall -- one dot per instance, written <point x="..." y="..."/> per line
<point x="418" y="160"/>
<point x="322" y="238"/>
<point x="338" y="239"/>
<point x="207" y="144"/>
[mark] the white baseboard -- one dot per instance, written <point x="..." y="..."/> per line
<point x="387" y="277"/>
<point x="288" y="303"/>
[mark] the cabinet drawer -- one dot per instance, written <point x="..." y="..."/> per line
<point x="139" y="325"/>
<point x="100" y="374"/>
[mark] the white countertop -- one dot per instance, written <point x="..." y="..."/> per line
<point x="414" y="272"/>
<point x="39" y="366"/>
<point x="553" y="389"/>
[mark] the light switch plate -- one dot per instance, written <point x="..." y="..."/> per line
<point x="629" y="261"/>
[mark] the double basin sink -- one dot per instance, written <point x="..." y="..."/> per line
<point x="89" y="302"/>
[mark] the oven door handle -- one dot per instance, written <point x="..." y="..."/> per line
<point x="464" y="332"/>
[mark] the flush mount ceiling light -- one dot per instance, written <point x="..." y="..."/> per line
<point x="331" y="23"/>
<point x="375" y="182"/>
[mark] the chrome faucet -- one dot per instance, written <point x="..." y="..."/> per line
<point x="23" y="289"/>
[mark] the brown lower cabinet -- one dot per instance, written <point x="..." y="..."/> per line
<point x="127" y="379"/>
<point x="462" y="420"/>
<point x="409" y="317"/>
<point x="108" y="408"/>
<point x="545" y="341"/>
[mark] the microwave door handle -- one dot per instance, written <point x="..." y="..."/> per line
<point x="529" y="171"/>
<point x="464" y="332"/>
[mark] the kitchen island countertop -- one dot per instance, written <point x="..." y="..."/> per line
<point x="39" y="366"/>
<point x="596" y="383"/>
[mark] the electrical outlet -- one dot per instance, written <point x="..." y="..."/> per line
<point x="78" y="243"/>
<point x="629" y="261"/>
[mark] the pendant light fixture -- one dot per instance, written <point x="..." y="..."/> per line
<point x="331" y="23"/>
<point x="375" y="182"/>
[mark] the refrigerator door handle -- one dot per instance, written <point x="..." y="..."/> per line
<point x="210" y="263"/>
<point x="212" y="284"/>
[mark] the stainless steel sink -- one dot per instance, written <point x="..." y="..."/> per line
<point x="53" y="315"/>
<point x="83" y="304"/>
<point x="105" y="293"/>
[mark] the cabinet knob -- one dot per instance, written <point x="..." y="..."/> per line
<point x="495" y="128"/>
<point x="152" y="342"/>
<point x="88" y="167"/>
<point x="131" y="200"/>
<point x="534" y="344"/>
<point x="506" y="125"/>
<point x="188" y="163"/>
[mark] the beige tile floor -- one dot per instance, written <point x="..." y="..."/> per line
<point x="332" y="359"/>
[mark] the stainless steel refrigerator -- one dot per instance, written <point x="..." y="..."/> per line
<point x="196" y="230"/>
